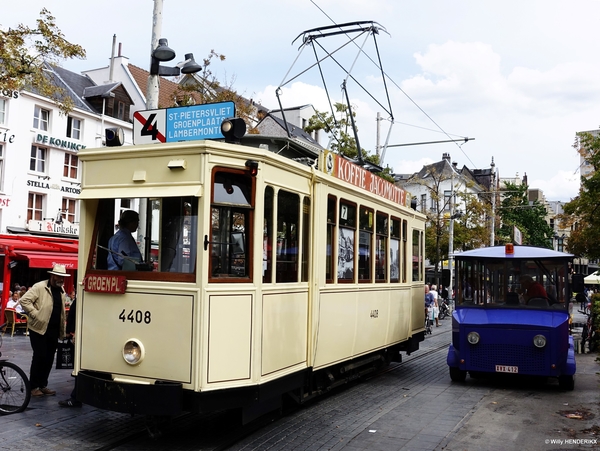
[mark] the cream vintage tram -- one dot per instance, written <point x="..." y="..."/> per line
<point x="262" y="276"/>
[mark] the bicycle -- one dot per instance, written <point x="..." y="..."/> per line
<point x="15" y="391"/>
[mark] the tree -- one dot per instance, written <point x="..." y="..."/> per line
<point x="204" y="87"/>
<point x="529" y="218"/>
<point x="343" y="141"/>
<point x="25" y="50"/>
<point x="582" y="214"/>
<point x="471" y="230"/>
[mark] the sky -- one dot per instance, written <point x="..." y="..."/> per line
<point x="518" y="77"/>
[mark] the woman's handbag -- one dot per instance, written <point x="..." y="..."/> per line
<point x="65" y="355"/>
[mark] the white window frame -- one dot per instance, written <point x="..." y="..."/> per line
<point x="3" y="104"/>
<point x="74" y="127"/>
<point x="69" y="166"/>
<point x="69" y="215"/>
<point x="39" y="121"/>
<point x="31" y="206"/>
<point x="40" y="157"/>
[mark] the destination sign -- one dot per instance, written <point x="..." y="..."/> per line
<point x="187" y="123"/>
<point x="105" y="284"/>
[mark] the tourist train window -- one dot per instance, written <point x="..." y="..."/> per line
<point x="166" y="237"/>
<point x="74" y="127"/>
<point x="35" y="206"/>
<point x="71" y="166"/>
<point x="329" y="250"/>
<point x="365" y="246"/>
<point x="381" y="239"/>
<point x="41" y="118"/>
<point x="37" y="161"/>
<point x="230" y="244"/>
<point x="347" y="233"/>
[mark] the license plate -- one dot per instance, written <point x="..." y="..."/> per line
<point x="507" y="369"/>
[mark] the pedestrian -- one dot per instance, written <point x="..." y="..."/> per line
<point x="72" y="401"/>
<point x="44" y="305"/>
<point x="436" y="307"/>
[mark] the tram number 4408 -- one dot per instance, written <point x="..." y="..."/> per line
<point x="136" y="316"/>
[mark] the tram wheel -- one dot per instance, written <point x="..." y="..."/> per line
<point x="566" y="382"/>
<point x="457" y="375"/>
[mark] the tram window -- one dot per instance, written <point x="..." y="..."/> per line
<point x="394" y="250"/>
<point x="365" y="238"/>
<point x="381" y="238"/>
<point x="404" y="250"/>
<point x="166" y="235"/>
<point x="331" y="222"/>
<point x="305" y="237"/>
<point x="346" y="242"/>
<point x="288" y="221"/>
<point x="417" y="247"/>
<point x="231" y="216"/>
<point x="267" y="269"/>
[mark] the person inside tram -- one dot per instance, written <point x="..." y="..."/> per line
<point x="122" y="245"/>
<point x="531" y="289"/>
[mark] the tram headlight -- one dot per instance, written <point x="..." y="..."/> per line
<point x="133" y="351"/>
<point x="539" y="341"/>
<point x="473" y="338"/>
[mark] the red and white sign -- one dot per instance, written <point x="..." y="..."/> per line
<point x="105" y="284"/>
<point x="150" y="126"/>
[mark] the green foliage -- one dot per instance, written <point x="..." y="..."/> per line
<point x="23" y="52"/>
<point x="582" y="214"/>
<point x="529" y="218"/>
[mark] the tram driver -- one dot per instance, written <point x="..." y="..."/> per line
<point x="122" y="245"/>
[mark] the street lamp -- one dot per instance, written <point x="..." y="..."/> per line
<point x="164" y="53"/>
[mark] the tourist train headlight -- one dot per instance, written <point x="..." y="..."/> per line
<point x="473" y="338"/>
<point x="133" y="351"/>
<point x="539" y="341"/>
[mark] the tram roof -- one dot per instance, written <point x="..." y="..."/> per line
<point x="522" y="252"/>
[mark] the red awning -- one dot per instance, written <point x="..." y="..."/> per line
<point x="49" y="259"/>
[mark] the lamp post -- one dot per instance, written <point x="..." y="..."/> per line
<point x="493" y="190"/>
<point x="161" y="52"/>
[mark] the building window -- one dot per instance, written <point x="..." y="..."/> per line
<point x="74" y="127"/>
<point x="41" y="118"/>
<point x="2" y="110"/>
<point x="1" y="167"/>
<point x="37" y="161"/>
<point x="121" y="111"/>
<point x="447" y="195"/>
<point x="35" y="206"/>
<point x="69" y="209"/>
<point x="71" y="166"/>
<point x="423" y="202"/>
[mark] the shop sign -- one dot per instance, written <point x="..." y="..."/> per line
<point x="9" y="93"/>
<point x="343" y="169"/>
<point x="6" y="137"/>
<point x="4" y="201"/>
<point x="46" y="185"/>
<point x="105" y="284"/>
<point x="58" y="142"/>
<point x="50" y="226"/>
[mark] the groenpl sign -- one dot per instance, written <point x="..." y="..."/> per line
<point x="181" y="124"/>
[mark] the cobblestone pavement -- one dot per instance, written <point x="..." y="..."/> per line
<point x="412" y="406"/>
